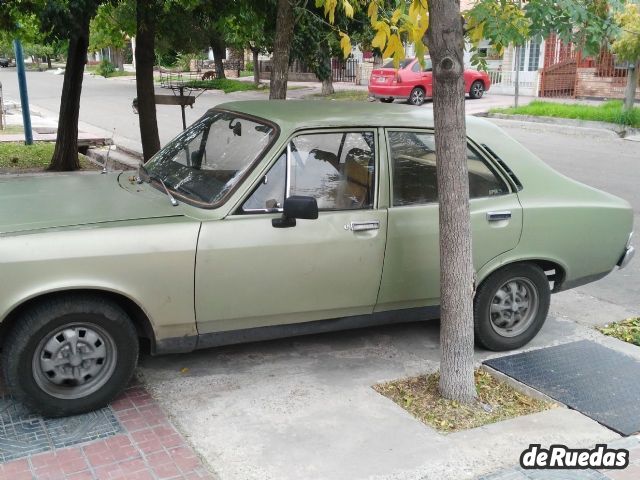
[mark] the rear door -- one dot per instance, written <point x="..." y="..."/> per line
<point x="412" y="261"/>
<point x="250" y="274"/>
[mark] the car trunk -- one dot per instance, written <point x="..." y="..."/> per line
<point x="384" y="76"/>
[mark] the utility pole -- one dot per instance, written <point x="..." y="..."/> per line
<point x="24" y="96"/>
<point x="516" y="86"/>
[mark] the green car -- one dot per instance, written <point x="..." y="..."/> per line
<point x="273" y="219"/>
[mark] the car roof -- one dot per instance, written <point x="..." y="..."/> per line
<point x="297" y="114"/>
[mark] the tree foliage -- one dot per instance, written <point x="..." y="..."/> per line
<point x="627" y="43"/>
<point x="113" y="23"/>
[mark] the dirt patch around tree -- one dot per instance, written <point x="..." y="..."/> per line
<point x="496" y="401"/>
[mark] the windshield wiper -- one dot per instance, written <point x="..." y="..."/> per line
<point x="153" y="176"/>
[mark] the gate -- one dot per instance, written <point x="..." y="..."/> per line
<point x="344" y="70"/>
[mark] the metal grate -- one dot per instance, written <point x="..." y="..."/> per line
<point x="597" y="381"/>
<point x="23" y="433"/>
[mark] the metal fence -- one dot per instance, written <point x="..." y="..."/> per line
<point x="568" y="73"/>
<point x="344" y="70"/>
<point x="503" y="82"/>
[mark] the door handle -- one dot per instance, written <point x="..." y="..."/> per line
<point x="362" y="226"/>
<point x="497" y="216"/>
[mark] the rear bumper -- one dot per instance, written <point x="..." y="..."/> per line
<point x="626" y="257"/>
<point x="388" y="91"/>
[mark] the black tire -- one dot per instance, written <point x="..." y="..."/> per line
<point x="476" y="90"/>
<point x="528" y="278"/>
<point x="85" y="318"/>
<point x="417" y="96"/>
<point x="387" y="100"/>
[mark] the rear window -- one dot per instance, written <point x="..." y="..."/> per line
<point x="403" y="63"/>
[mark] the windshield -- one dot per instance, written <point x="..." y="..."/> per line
<point x="209" y="159"/>
<point x="403" y="63"/>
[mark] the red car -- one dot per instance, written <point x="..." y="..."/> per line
<point x="413" y="83"/>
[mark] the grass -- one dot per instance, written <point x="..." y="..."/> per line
<point x="17" y="157"/>
<point x="11" y="130"/>
<point x="358" y="95"/>
<point x="117" y="73"/>
<point x="227" y="85"/>
<point x="627" y="330"/>
<point x="610" y="111"/>
<point x="496" y="401"/>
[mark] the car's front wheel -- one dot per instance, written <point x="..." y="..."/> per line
<point x="71" y="354"/>
<point x="511" y="306"/>
<point x="477" y="89"/>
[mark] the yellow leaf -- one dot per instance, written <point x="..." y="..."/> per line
<point x="379" y="40"/>
<point x="396" y="16"/>
<point x="348" y="9"/>
<point x="394" y="49"/>
<point x="330" y="9"/>
<point x="372" y="12"/>
<point x="345" y="44"/>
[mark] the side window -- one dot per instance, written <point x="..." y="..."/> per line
<point x="269" y="194"/>
<point x="416" y="67"/>
<point x="337" y="169"/>
<point x="413" y="159"/>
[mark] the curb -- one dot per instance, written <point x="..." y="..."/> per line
<point x="621" y="130"/>
<point x="520" y="387"/>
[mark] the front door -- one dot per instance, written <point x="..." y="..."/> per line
<point x="250" y="274"/>
<point x="412" y="260"/>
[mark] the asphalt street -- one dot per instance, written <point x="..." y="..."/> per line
<point x="106" y="103"/>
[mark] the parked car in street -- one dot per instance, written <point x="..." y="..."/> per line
<point x="4" y="62"/>
<point x="414" y="83"/>
<point x="273" y="219"/>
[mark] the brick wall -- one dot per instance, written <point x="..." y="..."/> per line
<point x="588" y="84"/>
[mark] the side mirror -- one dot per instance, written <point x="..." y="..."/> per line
<point x="296" y="206"/>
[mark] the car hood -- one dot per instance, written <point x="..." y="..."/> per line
<point x="66" y="200"/>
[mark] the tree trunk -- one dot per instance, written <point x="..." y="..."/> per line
<point x="49" y="62"/>
<point x="632" y="84"/>
<point x="446" y="43"/>
<point x="65" y="154"/>
<point x="256" y="66"/>
<point x="145" y="58"/>
<point x="219" y="54"/>
<point x="327" y="86"/>
<point x="281" y="50"/>
<point x="118" y="55"/>
<point x="325" y="72"/>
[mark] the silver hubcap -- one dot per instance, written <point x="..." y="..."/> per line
<point x="417" y="97"/>
<point x="477" y="90"/>
<point x="74" y="361"/>
<point x="514" y="307"/>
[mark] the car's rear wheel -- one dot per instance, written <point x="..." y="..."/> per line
<point x="70" y="354"/>
<point x="476" y="90"/>
<point x="387" y="100"/>
<point x="417" y="96"/>
<point x="511" y="306"/>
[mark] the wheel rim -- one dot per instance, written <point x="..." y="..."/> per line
<point x="478" y="89"/>
<point x="74" y="361"/>
<point x="514" y="307"/>
<point x="417" y="97"/>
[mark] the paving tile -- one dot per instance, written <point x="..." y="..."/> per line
<point x="130" y="440"/>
